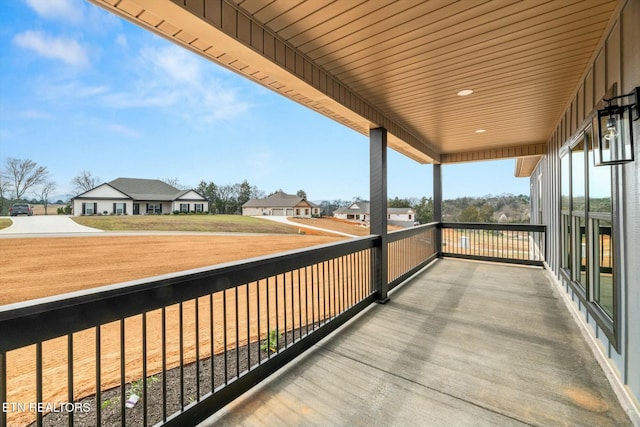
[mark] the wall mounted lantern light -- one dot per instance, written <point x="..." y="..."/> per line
<point x="614" y="144"/>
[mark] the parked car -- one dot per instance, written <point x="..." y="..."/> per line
<point x="20" y="209"/>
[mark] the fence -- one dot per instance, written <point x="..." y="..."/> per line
<point x="514" y="243"/>
<point x="185" y="344"/>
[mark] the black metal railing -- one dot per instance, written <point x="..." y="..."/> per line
<point x="185" y="344"/>
<point x="513" y="243"/>
<point x="409" y="250"/>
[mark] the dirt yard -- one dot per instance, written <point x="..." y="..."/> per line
<point x="34" y="268"/>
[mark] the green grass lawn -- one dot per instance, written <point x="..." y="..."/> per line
<point x="208" y="223"/>
<point x="5" y="222"/>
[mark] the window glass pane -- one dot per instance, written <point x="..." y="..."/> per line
<point x="579" y="273"/>
<point x="565" y="181"/>
<point x="599" y="186"/>
<point x="603" y="260"/>
<point x="566" y="241"/>
<point x="577" y="177"/>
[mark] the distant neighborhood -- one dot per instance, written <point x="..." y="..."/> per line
<point x="142" y="196"/>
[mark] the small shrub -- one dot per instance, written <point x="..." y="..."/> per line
<point x="271" y="343"/>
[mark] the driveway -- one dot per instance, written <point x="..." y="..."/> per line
<point x="284" y="220"/>
<point x="41" y="224"/>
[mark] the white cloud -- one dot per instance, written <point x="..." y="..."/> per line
<point x="35" y="114"/>
<point x="67" y="10"/>
<point x="60" y="48"/>
<point x="170" y="77"/>
<point x="122" y="130"/>
<point x="121" y="40"/>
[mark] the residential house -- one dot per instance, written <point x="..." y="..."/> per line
<point x="360" y="211"/>
<point x="132" y="196"/>
<point x="356" y="211"/>
<point x="281" y="204"/>
<point x="403" y="217"/>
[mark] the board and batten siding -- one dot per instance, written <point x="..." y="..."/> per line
<point x="614" y="66"/>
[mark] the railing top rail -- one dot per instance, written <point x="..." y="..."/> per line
<point x="408" y="232"/>
<point x="26" y="323"/>
<point x="493" y="226"/>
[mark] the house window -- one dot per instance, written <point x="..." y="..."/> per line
<point x="119" y="208"/>
<point x="410" y="216"/>
<point x="198" y="207"/>
<point x="306" y="211"/>
<point x="587" y="228"/>
<point x="184" y="207"/>
<point x="89" y="208"/>
<point x="154" y="208"/>
<point x="297" y="212"/>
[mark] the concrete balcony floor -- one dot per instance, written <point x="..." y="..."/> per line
<point x="461" y="344"/>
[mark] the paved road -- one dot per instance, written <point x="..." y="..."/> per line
<point x="55" y="224"/>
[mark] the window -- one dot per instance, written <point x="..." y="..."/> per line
<point x="600" y="224"/>
<point x="154" y="208"/>
<point x="587" y="227"/>
<point x="119" y="208"/>
<point x="184" y="207"/>
<point x="89" y="208"/>
<point x="199" y="207"/>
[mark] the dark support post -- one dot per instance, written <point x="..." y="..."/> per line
<point x="437" y="204"/>
<point x="378" y="220"/>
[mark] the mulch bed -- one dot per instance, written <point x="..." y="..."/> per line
<point x="111" y="404"/>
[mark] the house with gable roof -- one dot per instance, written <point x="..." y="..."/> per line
<point x="360" y="211"/>
<point x="281" y="204"/>
<point x="133" y="196"/>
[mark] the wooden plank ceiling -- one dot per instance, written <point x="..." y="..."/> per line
<point x="400" y="64"/>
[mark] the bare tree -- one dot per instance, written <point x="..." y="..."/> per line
<point x="4" y="190"/>
<point x="84" y="182"/>
<point x="44" y="193"/>
<point x="25" y="174"/>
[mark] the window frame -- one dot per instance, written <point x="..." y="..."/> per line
<point x="608" y="322"/>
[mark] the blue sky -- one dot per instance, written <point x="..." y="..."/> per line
<point x="81" y="89"/>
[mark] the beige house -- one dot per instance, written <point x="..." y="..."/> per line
<point x="132" y="196"/>
<point x="281" y="204"/>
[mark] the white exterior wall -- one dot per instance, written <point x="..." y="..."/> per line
<point x="281" y="211"/>
<point x="102" y="206"/>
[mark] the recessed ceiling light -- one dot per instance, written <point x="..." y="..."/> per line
<point x="481" y="131"/>
<point x="465" y="92"/>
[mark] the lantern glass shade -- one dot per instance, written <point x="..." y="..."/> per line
<point x="614" y="144"/>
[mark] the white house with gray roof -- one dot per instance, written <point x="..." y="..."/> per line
<point x="360" y="211"/>
<point x="133" y="196"/>
<point x="281" y="204"/>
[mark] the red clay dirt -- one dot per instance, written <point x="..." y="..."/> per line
<point x="39" y="267"/>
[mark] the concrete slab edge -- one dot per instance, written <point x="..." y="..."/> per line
<point x="625" y="396"/>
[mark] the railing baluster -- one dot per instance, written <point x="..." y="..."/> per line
<point x="123" y="395"/>
<point x="258" y="313"/>
<point x="248" y="330"/>
<point x="197" y="337"/>
<point x="98" y="378"/>
<point x="211" y="344"/>
<point x="268" y="321"/>
<point x="224" y="335"/>
<point x="70" y="395"/>
<point x="145" y="391"/>
<point x="277" y="285"/>
<point x="164" y="364"/>
<point x="181" y="349"/>
<point x="39" y="381"/>
<point x="237" y="336"/>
